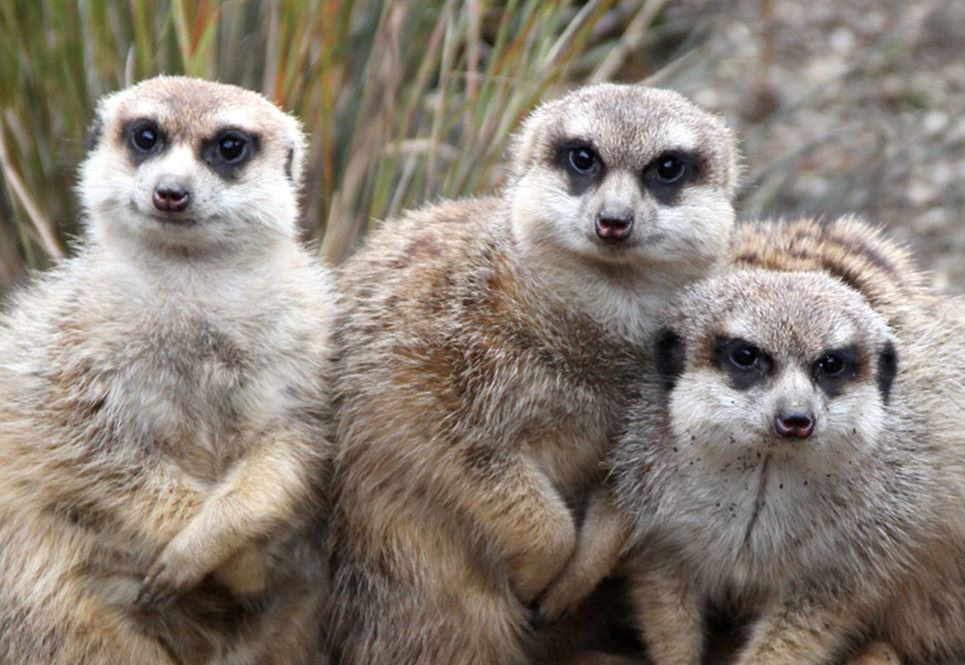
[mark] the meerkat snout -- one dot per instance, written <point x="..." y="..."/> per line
<point x="619" y="203"/>
<point x="171" y="196"/>
<point x="794" y="424"/>
<point x="794" y="412"/>
<point x="614" y="225"/>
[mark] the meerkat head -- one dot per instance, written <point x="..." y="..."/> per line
<point x="791" y="364"/>
<point x="186" y="163"/>
<point x="627" y="175"/>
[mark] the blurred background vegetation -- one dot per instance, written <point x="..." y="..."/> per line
<point x="841" y="106"/>
<point x="402" y="101"/>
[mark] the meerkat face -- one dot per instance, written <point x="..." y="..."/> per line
<point x="625" y="174"/>
<point x="789" y="365"/>
<point x="183" y="162"/>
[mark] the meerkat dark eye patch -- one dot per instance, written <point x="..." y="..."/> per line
<point x="670" y="354"/>
<point x="227" y="152"/>
<point x="887" y="370"/>
<point x="835" y="369"/>
<point x="581" y="162"/>
<point x="744" y="363"/>
<point x="144" y="139"/>
<point x="669" y="172"/>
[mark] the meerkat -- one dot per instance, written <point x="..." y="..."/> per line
<point x="847" y="248"/>
<point x="797" y="462"/>
<point x="483" y="359"/>
<point x="162" y="443"/>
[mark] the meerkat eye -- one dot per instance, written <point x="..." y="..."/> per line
<point x="583" y="161"/>
<point x="833" y="370"/>
<point x="744" y="356"/>
<point x="666" y="175"/>
<point x="145" y="137"/>
<point x="228" y="151"/>
<point x="746" y="364"/>
<point x="670" y="169"/>
<point x="830" y="364"/>
<point x="231" y="147"/>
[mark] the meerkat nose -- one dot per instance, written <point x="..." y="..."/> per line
<point x="794" y="425"/>
<point x="614" y="227"/>
<point x="171" y="197"/>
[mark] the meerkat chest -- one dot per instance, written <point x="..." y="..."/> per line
<point x="195" y="384"/>
<point x="577" y="417"/>
<point x="747" y="529"/>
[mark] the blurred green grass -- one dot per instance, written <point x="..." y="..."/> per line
<point x="403" y="102"/>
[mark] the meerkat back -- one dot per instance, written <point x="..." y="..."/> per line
<point x="161" y="438"/>
<point x="849" y="249"/>
<point x="481" y="365"/>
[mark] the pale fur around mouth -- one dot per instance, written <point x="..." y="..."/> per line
<point x="174" y="220"/>
<point x="167" y="219"/>
<point x="636" y="240"/>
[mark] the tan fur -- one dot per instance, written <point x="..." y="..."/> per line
<point x="854" y="533"/>
<point x="482" y="365"/>
<point x="847" y="248"/>
<point x="161" y="433"/>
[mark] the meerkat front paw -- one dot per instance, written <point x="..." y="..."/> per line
<point x="601" y="542"/>
<point x="564" y="595"/>
<point x="533" y="568"/>
<point x="175" y="571"/>
<point x="553" y="605"/>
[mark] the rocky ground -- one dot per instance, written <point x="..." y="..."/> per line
<point x="842" y="106"/>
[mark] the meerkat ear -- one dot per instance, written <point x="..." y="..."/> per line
<point x="669" y="355"/>
<point x="94" y="132"/>
<point x="289" y="161"/>
<point x="296" y="148"/>
<point x="887" y="369"/>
